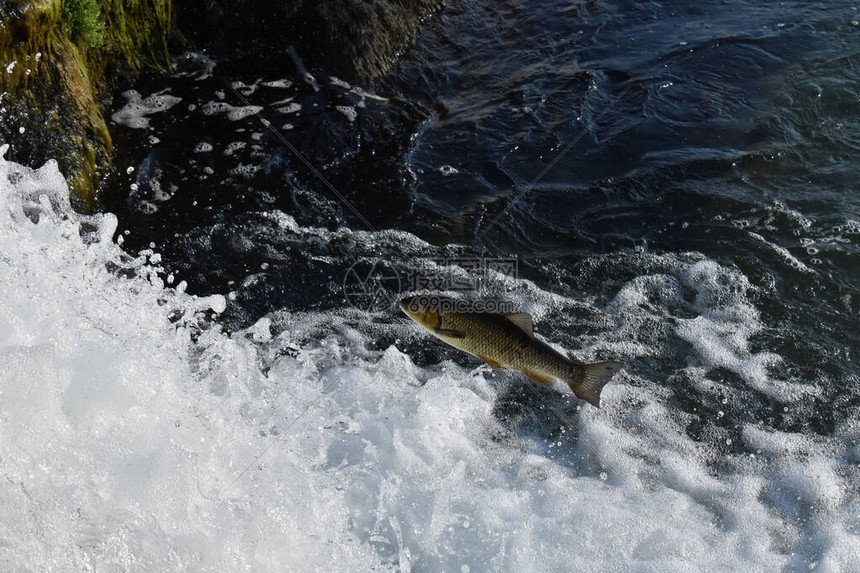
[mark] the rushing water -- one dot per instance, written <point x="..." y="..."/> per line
<point x="677" y="186"/>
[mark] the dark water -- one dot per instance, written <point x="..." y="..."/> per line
<point x="669" y="134"/>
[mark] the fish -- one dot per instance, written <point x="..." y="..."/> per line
<point x="508" y="341"/>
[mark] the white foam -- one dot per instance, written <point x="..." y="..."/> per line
<point x="245" y="89"/>
<point x="720" y="334"/>
<point x="366" y="94"/>
<point x="281" y="84"/>
<point x="233" y="113"/>
<point x="348" y="111"/>
<point x="245" y="170"/>
<point x="335" y="81"/>
<point x="783" y="252"/>
<point x="134" y="113"/>
<point x="128" y="416"/>
<point x="291" y="108"/>
<point x="234" y="146"/>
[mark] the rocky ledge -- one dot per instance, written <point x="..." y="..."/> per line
<point x="61" y="59"/>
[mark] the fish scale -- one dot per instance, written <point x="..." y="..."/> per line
<point x="493" y="336"/>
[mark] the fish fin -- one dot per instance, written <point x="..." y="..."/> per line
<point x="450" y="333"/>
<point x="539" y="378"/>
<point x="491" y="362"/>
<point x="523" y="320"/>
<point x="594" y="377"/>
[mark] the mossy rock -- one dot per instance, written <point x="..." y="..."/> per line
<point x="364" y="38"/>
<point x="354" y="39"/>
<point x="61" y="58"/>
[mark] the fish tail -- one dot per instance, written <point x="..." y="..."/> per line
<point x="590" y="380"/>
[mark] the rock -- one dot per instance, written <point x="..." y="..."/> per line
<point x="355" y="39"/>
<point x="60" y="58"/>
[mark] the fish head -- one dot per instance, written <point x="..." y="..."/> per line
<point x="421" y="310"/>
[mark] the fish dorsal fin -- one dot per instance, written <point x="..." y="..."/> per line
<point x="523" y="320"/>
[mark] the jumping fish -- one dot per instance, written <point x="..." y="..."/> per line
<point x="508" y="341"/>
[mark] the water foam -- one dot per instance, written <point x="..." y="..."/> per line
<point x="234" y="113"/>
<point x="134" y="113"/>
<point x="129" y="418"/>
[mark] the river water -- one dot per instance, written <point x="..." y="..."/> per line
<point x="198" y="378"/>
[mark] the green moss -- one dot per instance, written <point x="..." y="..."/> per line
<point x="83" y="23"/>
<point x="137" y="31"/>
